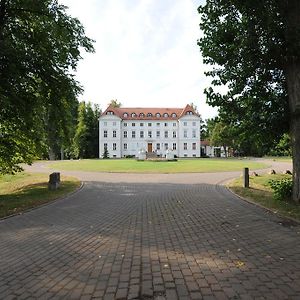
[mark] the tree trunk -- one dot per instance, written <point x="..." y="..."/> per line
<point x="292" y="72"/>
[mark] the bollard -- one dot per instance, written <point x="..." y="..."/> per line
<point x="54" y="181"/>
<point x="246" y="177"/>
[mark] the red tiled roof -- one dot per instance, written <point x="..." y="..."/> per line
<point x="149" y="113"/>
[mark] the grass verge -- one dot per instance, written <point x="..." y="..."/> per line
<point x="134" y="166"/>
<point x="280" y="158"/>
<point x="26" y="190"/>
<point x="260" y="192"/>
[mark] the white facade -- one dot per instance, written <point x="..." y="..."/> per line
<point x="126" y="131"/>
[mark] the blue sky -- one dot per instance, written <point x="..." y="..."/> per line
<point x="146" y="53"/>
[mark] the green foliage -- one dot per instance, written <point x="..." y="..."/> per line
<point x="283" y="148"/>
<point x="39" y="50"/>
<point x="282" y="188"/>
<point x="86" y="141"/>
<point x="105" y="154"/>
<point x="115" y="103"/>
<point x="244" y="43"/>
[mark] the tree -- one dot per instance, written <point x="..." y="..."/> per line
<point x="105" y="154"/>
<point x="114" y="103"/>
<point x="39" y="49"/>
<point x="254" y="49"/>
<point x="86" y="139"/>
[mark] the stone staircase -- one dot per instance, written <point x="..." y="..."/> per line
<point x="151" y="155"/>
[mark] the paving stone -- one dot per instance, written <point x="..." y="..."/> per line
<point x="144" y="241"/>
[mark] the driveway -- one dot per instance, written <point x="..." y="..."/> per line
<point x="136" y="240"/>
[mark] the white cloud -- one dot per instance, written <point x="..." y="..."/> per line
<point x="146" y="53"/>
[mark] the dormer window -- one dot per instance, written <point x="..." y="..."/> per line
<point x="149" y="115"/>
<point x="189" y="113"/>
<point x="125" y="115"/>
<point x="142" y="115"/>
<point x="166" y="115"/>
<point x="157" y="115"/>
<point x="110" y="112"/>
<point x="133" y="115"/>
<point x="174" y="115"/>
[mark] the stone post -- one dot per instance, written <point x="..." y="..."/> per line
<point x="246" y="177"/>
<point x="54" y="181"/>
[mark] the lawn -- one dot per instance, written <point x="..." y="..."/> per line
<point x="261" y="193"/>
<point x="134" y="166"/>
<point x="25" y="190"/>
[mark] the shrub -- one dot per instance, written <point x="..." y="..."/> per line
<point x="282" y="188"/>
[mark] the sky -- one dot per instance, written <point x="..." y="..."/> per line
<point x="146" y="53"/>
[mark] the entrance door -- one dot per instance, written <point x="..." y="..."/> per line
<point x="149" y="147"/>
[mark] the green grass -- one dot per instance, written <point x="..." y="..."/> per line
<point x="25" y="190"/>
<point x="134" y="166"/>
<point x="261" y="193"/>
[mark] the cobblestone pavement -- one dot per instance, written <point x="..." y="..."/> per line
<point x="149" y="241"/>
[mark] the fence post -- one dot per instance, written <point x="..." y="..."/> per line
<point x="246" y="177"/>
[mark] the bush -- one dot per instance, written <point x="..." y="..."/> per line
<point x="282" y="188"/>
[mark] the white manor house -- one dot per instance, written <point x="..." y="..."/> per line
<point x="126" y="131"/>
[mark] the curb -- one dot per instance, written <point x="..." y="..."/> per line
<point x="295" y="221"/>
<point x="44" y="204"/>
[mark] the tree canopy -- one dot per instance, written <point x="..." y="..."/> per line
<point x="39" y="51"/>
<point x="253" y="47"/>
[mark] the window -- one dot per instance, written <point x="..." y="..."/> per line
<point x="194" y="146"/>
<point x="174" y="124"/>
<point x="125" y="134"/>
<point x="114" y="133"/>
<point x="194" y="123"/>
<point x="174" y="115"/>
<point x="185" y="155"/>
<point x="149" y="115"/>
<point x="158" y="146"/>
<point x="133" y="115"/>
<point x="110" y="113"/>
<point x="174" y="134"/>
<point x="114" y="146"/>
<point x="194" y="134"/>
<point x="114" y="123"/>
<point x="141" y="124"/>
<point x="166" y="124"/>
<point x="141" y="134"/>
<point x="158" y="133"/>
<point x="105" y="145"/>
<point x="157" y="115"/>
<point x="166" y="146"/>
<point x="105" y="133"/>
<point x="125" y="115"/>
<point x="184" y="123"/>
<point x="194" y="155"/>
<point x="142" y="115"/>
<point x="125" y="124"/>
<point x="150" y="134"/>
<point x="184" y="146"/>
<point x="166" y="134"/>
<point x="105" y="123"/>
<point x="133" y="124"/>
<point x="166" y="115"/>
<point x="189" y="113"/>
<point x="174" y="146"/>
<point x="157" y="124"/>
<point x="133" y="134"/>
<point x="149" y="124"/>
<point x="185" y="134"/>
<point x="125" y="146"/>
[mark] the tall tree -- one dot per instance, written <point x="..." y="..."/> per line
<point x="86" y="139"/>
<point x="115" y="103"/>
<point x="254" y="49"/>
<point x="39" y="49"/>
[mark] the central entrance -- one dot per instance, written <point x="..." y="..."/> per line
<point x="149" y="147"/>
